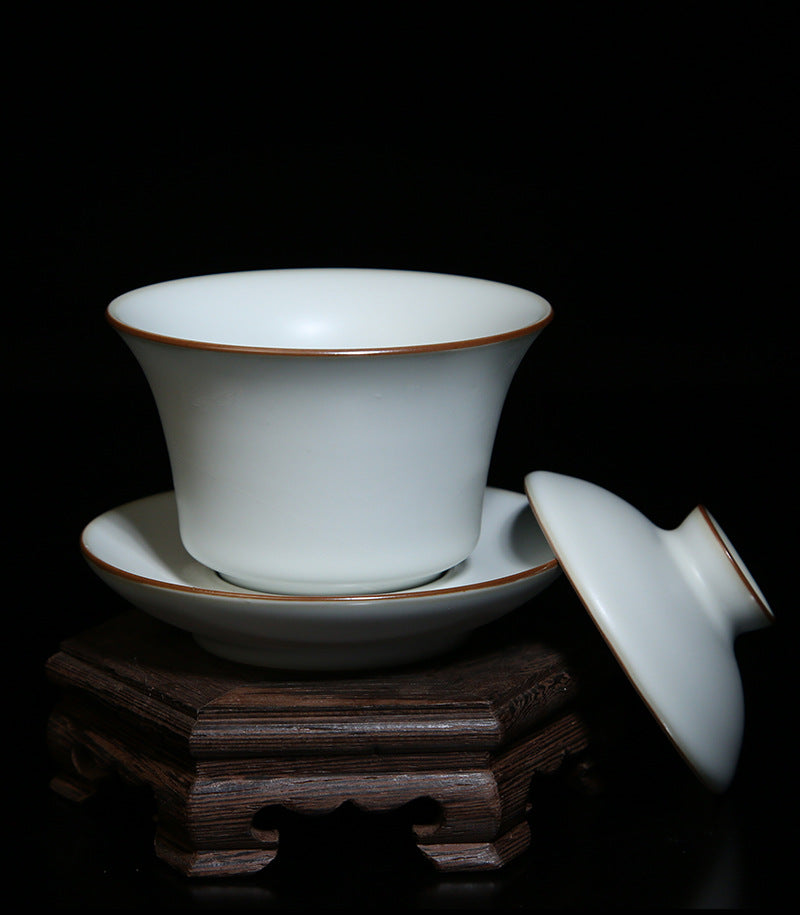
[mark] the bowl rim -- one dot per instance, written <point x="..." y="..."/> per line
<point x="125" y="328"/>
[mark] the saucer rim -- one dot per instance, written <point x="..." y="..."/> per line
<point x="305" y="598"/>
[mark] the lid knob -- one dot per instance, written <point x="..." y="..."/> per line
<point x="717" y="575"/>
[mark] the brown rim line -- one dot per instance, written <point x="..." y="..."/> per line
<point x="313" y="598"/>
<point x="737" y="564"/>
<point x="634" y="681"/>
<point x="124" y="328"/>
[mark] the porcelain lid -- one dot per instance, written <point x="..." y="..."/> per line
<point x="668" y="603"/>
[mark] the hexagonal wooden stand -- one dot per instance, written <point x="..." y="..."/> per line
<point x="218" y="743"/>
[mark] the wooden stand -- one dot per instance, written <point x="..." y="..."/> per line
<point x="220" y="743"/>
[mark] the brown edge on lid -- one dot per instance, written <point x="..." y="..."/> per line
<point x="123" y="328"/>
<point x="759" y="598"/>
<point x="701" y="776"/>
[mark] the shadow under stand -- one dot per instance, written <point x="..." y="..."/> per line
<point x="218" y="742"/>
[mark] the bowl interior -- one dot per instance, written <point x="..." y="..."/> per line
<point x="329" y="310"/>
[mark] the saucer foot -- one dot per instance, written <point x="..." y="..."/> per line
<point x="289" y="655"/>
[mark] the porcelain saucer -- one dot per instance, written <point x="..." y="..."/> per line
<point x="669" y="603"/>
<point x="136" y="549"/>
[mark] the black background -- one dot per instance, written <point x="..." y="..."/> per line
<point x="632" y="167"/>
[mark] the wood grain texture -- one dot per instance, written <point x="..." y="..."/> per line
<point x="219" y="743"/>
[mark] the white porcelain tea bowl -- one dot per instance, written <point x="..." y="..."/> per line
<point x="136" y="549"/>
<point x="329" y="430"/>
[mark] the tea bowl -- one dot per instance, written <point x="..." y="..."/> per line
<point x="329" y="430"/>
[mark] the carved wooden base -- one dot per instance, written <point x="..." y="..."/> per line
<point x="220" y="745"/>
